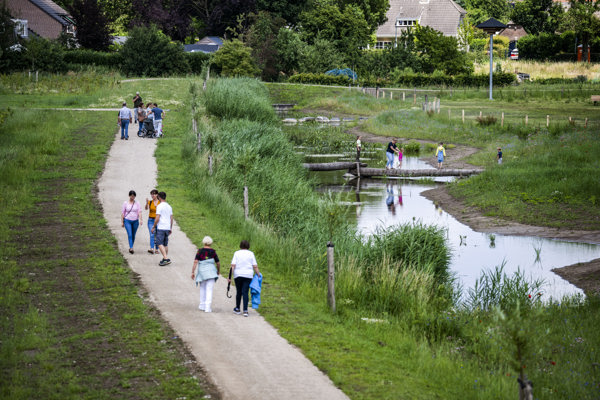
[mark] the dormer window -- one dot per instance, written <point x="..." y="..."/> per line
<point x="21" y="27"/>
<point x="400" y="23"/>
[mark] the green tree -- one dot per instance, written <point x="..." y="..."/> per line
<point x="537" y="16"/>
<point x="581" y="18"/>
<point x="320" y="57"/>
<point x="346" y="28"/>
<point x="235" y="59"/>
<point x="289" y="10"/>
<point x="374" y="11"/>
<point x="466" y="34"/>
<point x="119" y="14"/>
<point x="290" y="49"/>
<point x="149" y="52"/>
<point x="92" y="25"/>
<point x="45" y="55"/>
<point x="482" y="10"/>
<point x="439" y="52"/>
<point x="261" y="37"/>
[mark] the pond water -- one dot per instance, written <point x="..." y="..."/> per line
<point x="377" y="203"/>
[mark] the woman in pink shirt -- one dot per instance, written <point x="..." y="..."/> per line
<point x="131" y="218"/>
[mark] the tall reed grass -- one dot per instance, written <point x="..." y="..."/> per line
<point x="238" y="98"/>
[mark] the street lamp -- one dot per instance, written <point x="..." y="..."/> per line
<point x="491" y="27"/>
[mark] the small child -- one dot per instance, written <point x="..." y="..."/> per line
<point x="400" y="157"/>
<point x="358" y="148"/>
<point x="499" y="156"/>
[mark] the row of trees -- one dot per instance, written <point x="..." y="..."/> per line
<point x="284" y="37"/>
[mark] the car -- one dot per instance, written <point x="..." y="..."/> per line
<point x="514" y="54"/>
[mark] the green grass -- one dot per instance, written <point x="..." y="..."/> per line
<point x="418" y="352"/>
<point x="74" y="322"/>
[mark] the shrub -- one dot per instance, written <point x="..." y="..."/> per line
<point x="320" y="79"/>
<point x="197" y="60"/>
<point x="44" y="55"/>
<point x="91" y="57"/>
<point x="486" y="120"/>
<point x="412" y="147"/>
<point x="235" y="59"/>
<point x="149" y="52"/>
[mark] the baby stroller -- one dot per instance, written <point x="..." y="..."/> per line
<point x="147" y="130"/>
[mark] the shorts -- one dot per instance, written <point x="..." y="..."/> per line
<point x="162" y="237"/>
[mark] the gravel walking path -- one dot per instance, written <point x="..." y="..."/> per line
<point x="244" y="357"/>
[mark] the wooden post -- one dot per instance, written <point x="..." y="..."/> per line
<point x="448" y="113"/>
<point x="210" y="165"/>
<point x="547" y="121"/>
<point x="330" y="277"/>
<point x="391" y="95"/>
<point x="246" y="202"/>
<point x="403" y="96"/>
<point x="480" y="113"/>
<point x="526" y="119"/>
<point x="586" y="123"/>
<point x="415" y="96"/>
<point x="358" y="169"/>
<point x="502" y="120"/>
<point x="463" y="116"/>
<point x="438" y="106"/>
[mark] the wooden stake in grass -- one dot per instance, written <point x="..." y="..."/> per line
<point x="415" y="96"/>
<point x="586" y="123"/>
<point x="403" y="96"/>
<point x="246" y="202"/>
<point x="502" y="120"/>
<point x="463" y="116"/>
<point x="330" y="277"/>
<point x="526" y="119"/>
<point x="547" y="121"/>
<point x="448" y="113"/>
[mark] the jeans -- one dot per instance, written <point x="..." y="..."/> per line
<point x="131" y="227"/>
<point x="242" y="287"/>
<point x="206" y="294"/>
<point x="125" y="128"/>
<point x="150" y="224"/>
<point x="158" y="127"/>
<point x="390" y="159"/>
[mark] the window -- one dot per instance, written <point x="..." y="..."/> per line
<point x="382" y="45"/>
<point x="21" y="27"/>
<point x="405" y="22"/>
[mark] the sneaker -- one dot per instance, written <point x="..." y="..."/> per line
<point x="200" y="308"/>
<point x="208" y="310"/>
<point x="236" y="311"/>
<point x="245" y="313"/>
<point x="168" y="261"/>
<point x="164" y="262"/>
<point x="151" y="251"/>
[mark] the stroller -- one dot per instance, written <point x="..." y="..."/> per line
<point x="147" y="130"/>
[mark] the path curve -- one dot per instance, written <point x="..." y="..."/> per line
<point x="244" y="357"/>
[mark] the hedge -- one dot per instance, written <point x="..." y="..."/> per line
<point x="196" y="61"/>
<point x="411" y="80"/>
<point x="91" y="57"/>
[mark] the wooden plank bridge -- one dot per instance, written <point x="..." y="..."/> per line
<point x="364" y="171"/>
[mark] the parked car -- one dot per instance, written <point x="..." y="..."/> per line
<point x="514" y="55"/>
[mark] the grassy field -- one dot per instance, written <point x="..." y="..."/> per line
<point x="74" y="322"/>
<point x="423" y="349"/>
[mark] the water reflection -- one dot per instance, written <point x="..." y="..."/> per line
<point x="380" y="203"/>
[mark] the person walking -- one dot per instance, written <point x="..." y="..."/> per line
<point x="137" y="104"/>
<point x="209" y="268"/>
<point x="163" y="226"/>
<point x="440" y="152"/>
<point x="131" y="218"/>
<point x="151" y="206"/>
<point x="243" y="266"/>
<point x="389" y="152"/>
<point x="124" y="121"/>
<point x="158" y="117"/>
<point x="358" y="148"/>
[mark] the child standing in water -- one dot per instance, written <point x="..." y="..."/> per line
<point x="400" y="157"/>
<point x="440" y="152"/>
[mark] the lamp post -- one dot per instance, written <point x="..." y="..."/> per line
<point x="397" y="25"/>
<point x="491" y="27"/>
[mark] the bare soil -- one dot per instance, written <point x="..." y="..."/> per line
<point x="586" y="276"/>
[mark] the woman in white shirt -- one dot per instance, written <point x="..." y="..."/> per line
<point x="243" y="266"/>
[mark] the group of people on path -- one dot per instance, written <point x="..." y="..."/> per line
<point x="206" y="267"/>
<point x="160" y="222"/>
<point x="151" y="115"/>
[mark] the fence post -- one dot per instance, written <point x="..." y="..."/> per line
<point x="526" y="119"/>
<point x="391" y="95"/>
<point x="502" y="120"/>
<point x="480" y="113"/>
<point x="330" y="277"/>
<point x="463" y="116"/>
<point x="415" y="96"/>
<point x="448" y="113"/>
<point x="403" y="96"/>
<point x="547" y="121"/>
<point x="586" y="123"/>
<point x="246" y="202"/>
<point x="438" y="106"/>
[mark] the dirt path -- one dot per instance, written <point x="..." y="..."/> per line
<point x="244" y="357"/>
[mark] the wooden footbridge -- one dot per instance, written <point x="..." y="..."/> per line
<point x="362" y="170"/>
